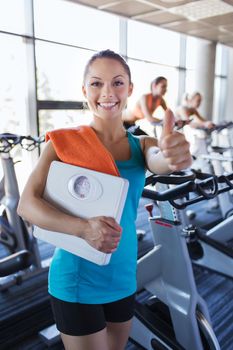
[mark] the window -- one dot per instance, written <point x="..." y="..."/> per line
<point x="60" y="71"/>
<point x="221" y="60"/>
<point x="13" y="82"/>
<point x="12" y="16"/>
<point x="60" y="65"/>
<point x="191" y="49"/>
<point x="74" y="24"/>
<point x="220" y="85"/>
<point x="55" y="119"/>
<point x="163" y="45"/>
<point x="190" y="85"/>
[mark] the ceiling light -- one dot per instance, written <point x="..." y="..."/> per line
<point x="202" y="9"/>
<point x="171" y="1"/>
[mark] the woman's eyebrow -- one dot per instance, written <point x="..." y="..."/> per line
<point x="117" y="76"/>
<point x="95" y="78"/>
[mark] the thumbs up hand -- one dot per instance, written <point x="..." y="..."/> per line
<point x="173" y="145"/>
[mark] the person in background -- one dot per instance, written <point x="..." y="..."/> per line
<point x="188" y="111"/>
<point x="93" y="305"/>
<point x="198" y="130"/>
<point x="146" y="106"/>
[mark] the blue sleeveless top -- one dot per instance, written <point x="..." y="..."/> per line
<point x="74" y="279"/>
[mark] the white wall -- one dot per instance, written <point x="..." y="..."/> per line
<point x="229" y="99"/>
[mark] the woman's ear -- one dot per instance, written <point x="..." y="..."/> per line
<point x="130" y="89"/>
<point x="84" y="91"/>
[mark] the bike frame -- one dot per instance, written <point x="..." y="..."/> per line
<point x="166" y="271"/>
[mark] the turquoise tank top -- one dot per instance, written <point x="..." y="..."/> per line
<point x="74" y="279"/>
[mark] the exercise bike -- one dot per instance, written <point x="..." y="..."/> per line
<point x="21" y="258"/>
<point x="211" y="158"/>
<point x="212" y="248"/>
<point x="175" y="316"/>
<point x="219" y="164"/>
<point x="203" y="138"/>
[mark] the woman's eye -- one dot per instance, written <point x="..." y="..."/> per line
<point x="118" y="83"/>
<point x="95" y="83"/>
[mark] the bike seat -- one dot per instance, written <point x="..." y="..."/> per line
<point x="219" y="149"/>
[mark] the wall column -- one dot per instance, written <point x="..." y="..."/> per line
<point x="229" y="88"/>
<point x="205" y="74"/>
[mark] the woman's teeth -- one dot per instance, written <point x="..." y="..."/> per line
<point x="107" y="105"/>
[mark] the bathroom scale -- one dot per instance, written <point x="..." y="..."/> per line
<point x="83" y="193"/>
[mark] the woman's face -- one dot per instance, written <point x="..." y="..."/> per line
<point x="106" y="88"/>
<point x="160" y="88"/>
<point x="196" y="101"/>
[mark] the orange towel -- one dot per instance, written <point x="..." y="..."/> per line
<point x="81" y="146"/>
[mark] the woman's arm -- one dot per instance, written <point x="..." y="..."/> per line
<point x="145" y="110"/>
<point x="163" y="104"/>
<point x="101" y="232"/>
<point x="199" y="121"/>
<point x="155" y="162"/>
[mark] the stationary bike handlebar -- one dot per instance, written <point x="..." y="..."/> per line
<point x="175" y="178"/>
<point x="202" y="186"/>
<point x="179" y="124"/>
<point x="9" y="141"/>
<point x="218" y="127"/>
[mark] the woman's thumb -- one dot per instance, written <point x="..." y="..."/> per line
<point x="168" y="123"/>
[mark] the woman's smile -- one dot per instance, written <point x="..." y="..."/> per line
<point x="107" y="105"/>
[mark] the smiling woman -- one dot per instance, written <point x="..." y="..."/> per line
<point x="93" y="305"/>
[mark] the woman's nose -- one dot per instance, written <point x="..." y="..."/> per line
<point x="107" y="91"/>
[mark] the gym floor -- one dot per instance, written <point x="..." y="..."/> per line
<point x="25" y="309"/>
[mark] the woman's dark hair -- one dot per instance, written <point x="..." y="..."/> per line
<point x="107" y="54"/>
<point x="157" y="81"/>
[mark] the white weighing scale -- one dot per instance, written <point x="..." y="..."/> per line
<point x="83" y="193"/>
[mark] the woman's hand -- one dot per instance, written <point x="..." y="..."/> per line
<point x="103" y="233"/>
<point x="173" y="145"/>
<point x="208" y="124"/>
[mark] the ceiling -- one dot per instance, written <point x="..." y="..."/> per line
<point x="207" y="19"/>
